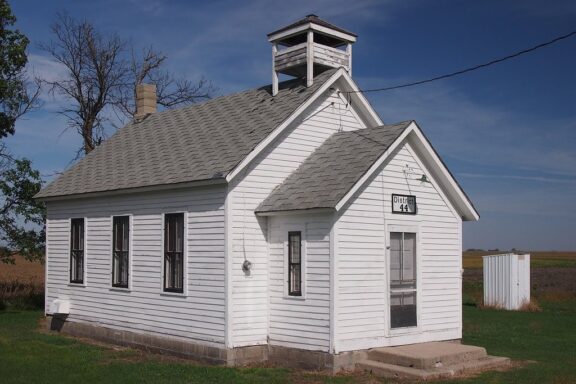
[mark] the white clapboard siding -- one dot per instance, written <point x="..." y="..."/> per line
<point x="199" y="315"/>
<point x="302" y="322"/>
<point x="361" y="275"/>
<point x="248" y="232"/>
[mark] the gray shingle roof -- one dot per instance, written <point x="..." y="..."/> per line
<point x="199" y="142"/>
<point x="332" y="170"/>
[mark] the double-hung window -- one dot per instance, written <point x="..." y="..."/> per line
<point x="174" y="252"/>
<point x="295" y="263"/>
<point x="77" y="251"/>
<point x="120" y="251"/>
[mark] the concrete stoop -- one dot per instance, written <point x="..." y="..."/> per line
<point x="429" y="361"/>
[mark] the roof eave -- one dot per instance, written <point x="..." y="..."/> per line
<point x="348" y="85"/>
<point x="299" y="211"/>
<point x="374" y="167"/>
<point x="463" y="203"/>
<point x="458" y="197"/>
<point x="125" y="191"/>
<point x="358" y="99"/>
<point x="305" y="23"/>
<point x="284" y="125"/>
<point x="348" y="37"/>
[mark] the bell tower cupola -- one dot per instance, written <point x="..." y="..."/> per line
<point x="309" y="47"/>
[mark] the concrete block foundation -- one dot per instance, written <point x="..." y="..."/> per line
<point x="421" y="361"/>
<point x="210" y="354"/>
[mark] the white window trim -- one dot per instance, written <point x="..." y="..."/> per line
<point x="84" y="282"/>
<point x="184" y="292"/>
<point x="130" y="242"/>
<point x="285" y="230"/>
<point x="412" y="228"/>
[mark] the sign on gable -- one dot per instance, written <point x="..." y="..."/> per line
<point x="405" y="204"/>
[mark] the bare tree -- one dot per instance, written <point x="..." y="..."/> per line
<point x="171" y="92"/>
<point x="95" y="72"/>
<point x="102" y="75"/>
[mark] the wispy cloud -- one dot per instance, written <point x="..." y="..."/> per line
<point x="45" y="67"/>
<point x="551" y="202"/>
<point x="154" y="7"/>
<point x="234" y="36"/>
<point x="43" y="137"/>
<point x="480" y="133"/>
<point x="542" y="179"/>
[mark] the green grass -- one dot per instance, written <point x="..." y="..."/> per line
<point x="30" y="356"/>
<point x="26" y="355"/>
<point x="547" y="338"/>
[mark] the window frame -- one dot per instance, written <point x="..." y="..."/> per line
<point x="80" y="277"/>
<point x="290" y="291"/>
<point x="165" y="243"/>
<point x="410" y="227"/>
<point x="128" y="252"/>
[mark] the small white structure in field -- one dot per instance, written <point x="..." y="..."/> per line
<point x="507" y="280"/>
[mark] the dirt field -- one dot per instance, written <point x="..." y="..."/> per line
<point x="473" y="259"/>
<point x="547" y="283"/>
<point x="23" y="271"/>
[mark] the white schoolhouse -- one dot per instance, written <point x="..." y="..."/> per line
<point x="286" y="223"/>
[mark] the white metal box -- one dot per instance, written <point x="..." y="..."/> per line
<point x="60" y="307"/>
<point x="507" y="280"/>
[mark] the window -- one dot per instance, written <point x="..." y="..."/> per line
<point x="294" y="263"/>
<point x="77" y="251"/>
<point x="120" y="249"/>
<point x="174" y="252"/>
<point x="402" y="279"/>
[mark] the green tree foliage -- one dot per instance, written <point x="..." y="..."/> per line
<point x="21" y="218"/>
<point x="14" y="98"/>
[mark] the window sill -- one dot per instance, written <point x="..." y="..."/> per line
<point x="405" y="331"/>
<point x="173" y="294"/>
<point x="296" y="298"/>
<point x="120" y="289"/>
<point x="79" y="285"/>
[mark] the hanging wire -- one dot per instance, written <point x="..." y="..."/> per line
<point x="460" y="72"/>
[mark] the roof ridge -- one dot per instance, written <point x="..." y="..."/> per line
<point x="281" y="85"/>
<point x="404" y="123"/>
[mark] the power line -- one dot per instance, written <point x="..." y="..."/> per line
<point x="496" y="61"/>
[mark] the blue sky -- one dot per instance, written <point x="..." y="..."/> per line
<point x="508" y="132"/>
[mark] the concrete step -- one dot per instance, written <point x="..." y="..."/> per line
<point x="427" y="355"/>
<point x="407" y="373"/>
<point x="484" y="364"/>
<point x="396" y="371"/>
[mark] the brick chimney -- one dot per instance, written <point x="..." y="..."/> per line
<point x="145" y="100"/>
